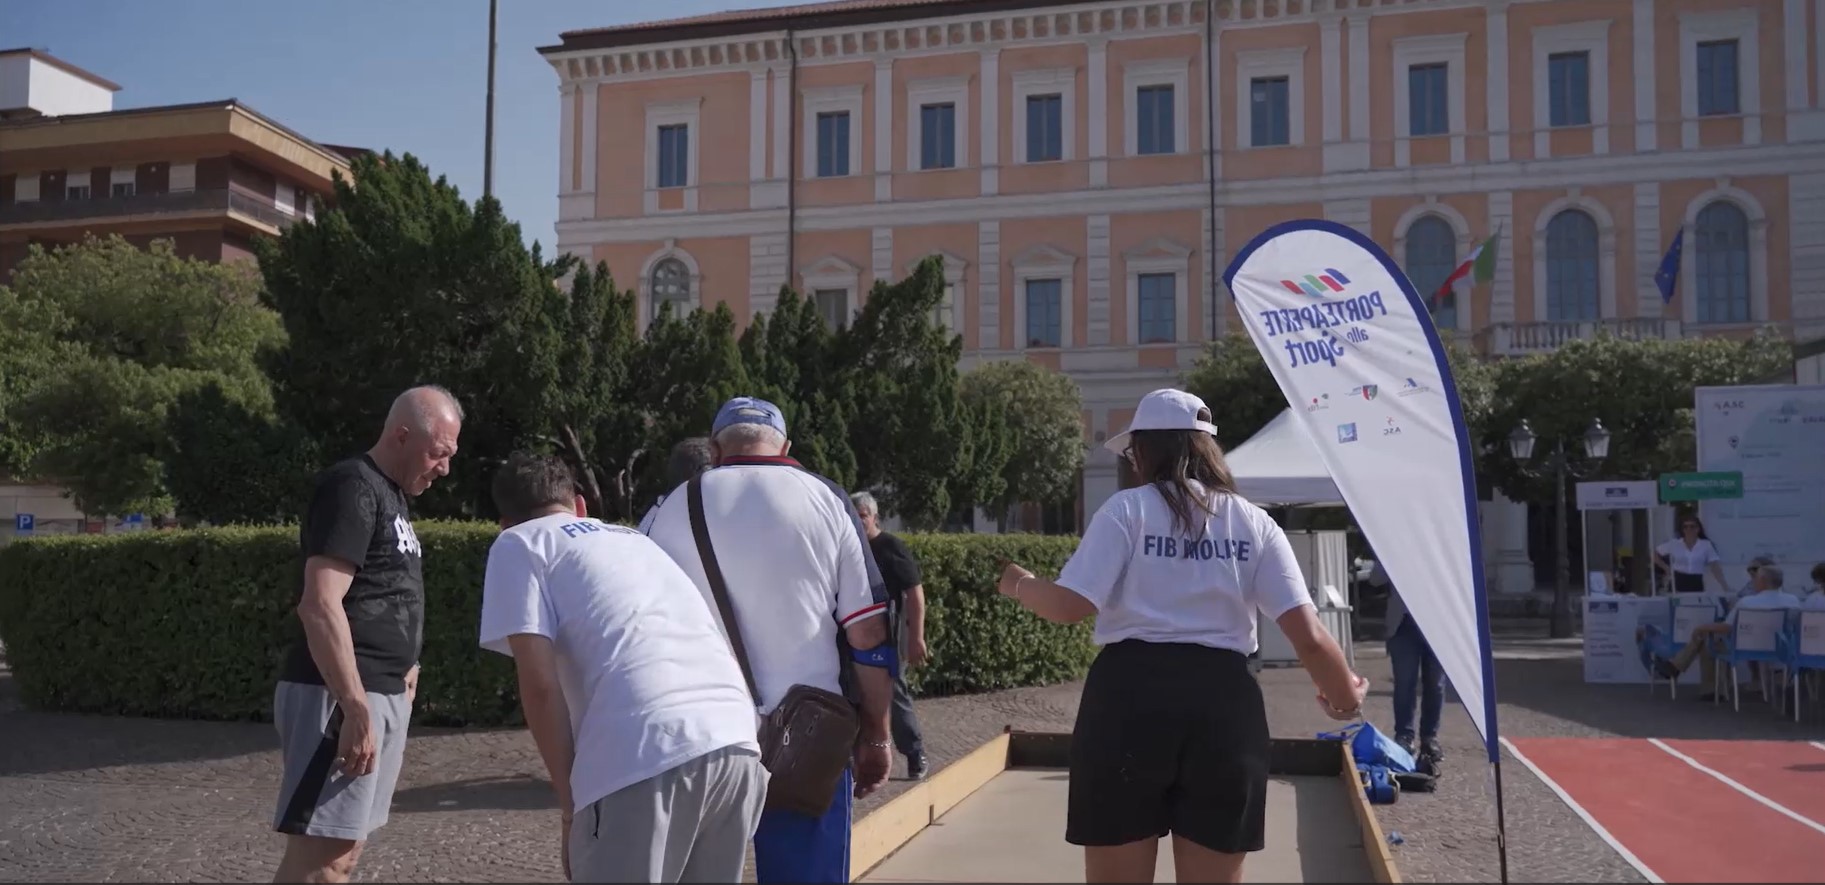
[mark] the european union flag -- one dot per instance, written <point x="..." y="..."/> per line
<point x="1667" y="276"/>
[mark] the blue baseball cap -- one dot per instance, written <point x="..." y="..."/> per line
<point x="748" y="410"/>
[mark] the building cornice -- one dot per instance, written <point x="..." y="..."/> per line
<point x="630" y="55"/>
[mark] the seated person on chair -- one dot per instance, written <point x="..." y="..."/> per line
<point x="1768" y="595"/>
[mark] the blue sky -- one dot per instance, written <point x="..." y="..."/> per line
<point x="409" y="75"/>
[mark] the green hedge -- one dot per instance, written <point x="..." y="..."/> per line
<point x="194" y="623"/>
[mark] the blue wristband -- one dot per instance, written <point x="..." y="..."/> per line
<point x="883" y="655"/>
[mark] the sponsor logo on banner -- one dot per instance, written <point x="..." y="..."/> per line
<point x="1367" y="391"/>
<point x="1727" y="405"/>
<point x="1319" y="403"/>
<point x="1393" y="428"/>
<point x="1309" y="330"/>
<point x="1316" y="284"/>
<point x="1411" y="387"/>
<point x="1346" y="433"/>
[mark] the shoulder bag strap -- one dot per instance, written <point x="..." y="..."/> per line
<point x="712" y="572"/>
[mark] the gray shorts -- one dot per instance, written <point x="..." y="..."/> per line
<point x="315" y="797"/>
<point x="691" y="823"/>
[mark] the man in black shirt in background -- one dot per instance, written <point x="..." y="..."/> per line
<point x="345" y="690"/>
<point x="906" y="617"/>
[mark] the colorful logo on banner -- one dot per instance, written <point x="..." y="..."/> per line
<point x="1311" y="330"/>
<point x="1316" y="285"/>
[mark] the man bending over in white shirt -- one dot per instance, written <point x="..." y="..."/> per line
<point x="632" y="695"/>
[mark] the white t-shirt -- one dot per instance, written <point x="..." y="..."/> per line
<point x="1766" y="599"/>
<point x="795" y="558"/>
<point x="646" y="522"/>
<point x="1691" y="561"/>
<point x="649" y="681"/>
<point x="1814" y="601"/>
<point x="1153" y="582"/>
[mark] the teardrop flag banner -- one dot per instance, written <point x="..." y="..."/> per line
<point x="1354" y="350"/>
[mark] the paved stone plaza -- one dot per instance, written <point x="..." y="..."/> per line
<point x="89" y="798"/>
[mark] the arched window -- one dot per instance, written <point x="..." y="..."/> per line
<point x="1573" y="285"/>
<point x="671" y="282"/>
<point x="1722" y="241"/>
<point x="1431" y="257"/>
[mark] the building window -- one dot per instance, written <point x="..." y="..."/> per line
<point x="832" y="144"/>
<point x="1569" y="82"/>
<point x="1428" y="99"/>
<point x="674" y="155"/>
<point x="1717" y="78"/>
<point x="1572" y="271"/>
<point x="121" y="190"/>
<point x="1431" y="257"/>
<point x="1722" y="240"/>
<point x="944" y="315"/>
<point x="1156" y="131"/>
<point x="76" y="192"/>
<point x="1158" y="308"/>
<point x="938" y="136"/>
<point x="670" y="284"/>
<point x="1045" y="313"/>
<point x="1270" y="118"/>
<point x="1045" y="128"/>
<point x="833" y="306"/>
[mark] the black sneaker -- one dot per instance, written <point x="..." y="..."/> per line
<point x="1406" y="743"/>
<point x="915" y="767"/>
<point x="1665" y="669"/>
<point x="1430" y="749"/>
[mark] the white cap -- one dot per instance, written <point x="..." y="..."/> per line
<point x="1164" y="409"/>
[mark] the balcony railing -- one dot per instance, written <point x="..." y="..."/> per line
<point x="1520" y="339"/>
<point x="213" y="199"/>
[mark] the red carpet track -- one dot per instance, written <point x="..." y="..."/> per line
<point x="1683" y="824"/>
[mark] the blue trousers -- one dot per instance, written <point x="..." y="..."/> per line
<point x="792" y="847"/>
<point x="1416" y="672"/>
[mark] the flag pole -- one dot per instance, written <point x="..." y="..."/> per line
<point x="1501" y="819"/>
<point x="488" y="134"/>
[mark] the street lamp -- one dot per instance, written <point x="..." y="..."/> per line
<point x="1560" y="465"/>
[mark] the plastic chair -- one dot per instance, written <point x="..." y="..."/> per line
<point x="1805" y="648"/>
<point x="1683" y="617"/>
<point x="1756" y="637"/>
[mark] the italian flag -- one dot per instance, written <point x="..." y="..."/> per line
<point x="1481" y="260"/>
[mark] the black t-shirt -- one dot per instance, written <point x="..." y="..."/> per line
<point x="899" y="570"/>
<point x="360" y="516"/>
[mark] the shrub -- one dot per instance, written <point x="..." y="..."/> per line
<point x="195" y="623"/>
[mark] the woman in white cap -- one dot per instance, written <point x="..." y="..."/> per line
<point x="1171" y="734"/>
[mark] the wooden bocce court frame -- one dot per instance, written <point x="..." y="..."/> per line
<point x="890" y="827"/>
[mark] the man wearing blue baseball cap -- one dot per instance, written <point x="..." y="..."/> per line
<point x="782" y="555"/>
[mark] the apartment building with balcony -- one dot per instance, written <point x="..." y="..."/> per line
<point x="211" y="176"/>
<point x="1086" y="169"/>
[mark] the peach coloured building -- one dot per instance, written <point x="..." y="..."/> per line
<point x="1086" y="169"/>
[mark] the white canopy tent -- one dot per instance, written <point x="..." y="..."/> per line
<point x="1279" y="465"/>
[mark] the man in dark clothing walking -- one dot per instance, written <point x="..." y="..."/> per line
<point x="906" y="601"/>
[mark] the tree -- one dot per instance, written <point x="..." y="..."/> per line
<point x="1642" y="391"/>
<point x="909" y="430"/>
<point x="232" y="464"/>
<point x="596" y="425"/>
<point x="121" y="334"/>
<point x="680" y="374"/>
<point x="1042" y="414"/>
<point x="1238" y="386"/>
<point x="788" y="354"/>
<point x="403" y="283"/>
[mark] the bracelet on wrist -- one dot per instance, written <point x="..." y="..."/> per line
<point x="883" y="745"/>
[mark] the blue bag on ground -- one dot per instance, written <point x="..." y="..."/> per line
<point x="1371" y="747"/>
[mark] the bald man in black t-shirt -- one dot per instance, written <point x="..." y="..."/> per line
<point x="345" y="690"/>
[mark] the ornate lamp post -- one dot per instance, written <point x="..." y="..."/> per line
<point x="1560" y="465"/>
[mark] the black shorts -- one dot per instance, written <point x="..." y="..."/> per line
<point x="1170" y="738"/>
<point x="1687" y="582"/>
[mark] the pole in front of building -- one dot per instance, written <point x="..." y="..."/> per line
<point x="488" y="136"/>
